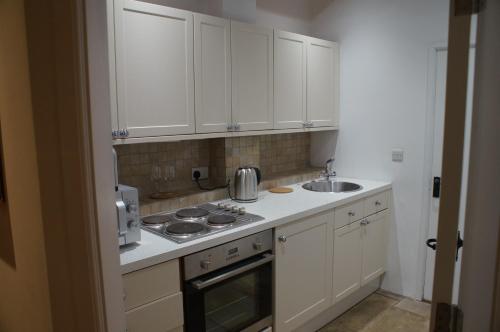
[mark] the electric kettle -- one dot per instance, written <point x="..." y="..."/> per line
<point x="246" y="182"/>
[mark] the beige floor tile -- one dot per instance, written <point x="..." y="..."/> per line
<point x="389" y="294"/>
<point x="417" y="307"/>
<point x="360" y="315"/>
<point x="397" y="320"/>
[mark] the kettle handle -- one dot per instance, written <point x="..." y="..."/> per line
<point x="259" y="175"/>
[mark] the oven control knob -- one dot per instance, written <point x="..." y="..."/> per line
<point x="205" y="264"/>
<point x="257" y="245"/>
<point x="241" y="210"/>
<point x="131" y="208"/>
<point x="220" y="206"/>
<point x="234" y="209"/>
<point x="227" y="207"/>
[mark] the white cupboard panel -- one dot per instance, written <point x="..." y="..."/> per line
<point x="303" y="270"/>
<point x="163" y="315"/>
<point x="212" y="73"/>
<point x="290" y="51"/>
<point x="152" y="283"/>
<point x="252" y="76"/>
<point x="348" y="213"/>
<point x="374" y="246"/>
<point x="154" y="64"/>
<point x="347" y="256"/>
<point x="376" y="203"/>
<point x="322" y="82"/>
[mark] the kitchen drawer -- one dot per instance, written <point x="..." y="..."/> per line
<point x="152" y="283"/>
<point x="376" y="203"/>
<point x="349" y="213"/>
<point x="165" y="314"/>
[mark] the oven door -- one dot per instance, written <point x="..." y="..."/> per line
<point x="234" y="298"/>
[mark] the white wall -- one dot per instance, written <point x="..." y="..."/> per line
<point x="384" y="50"/>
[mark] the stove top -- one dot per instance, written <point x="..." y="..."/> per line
<point x="192" y="223"/>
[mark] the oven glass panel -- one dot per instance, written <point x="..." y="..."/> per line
<point x="237" y="303"/>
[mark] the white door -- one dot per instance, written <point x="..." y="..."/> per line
<point x="439" y="107"/>
<point x="347" y="257"/>
<point x="154" y="69"/>
<point x="322" y="83"/>
<point x="290" y="52"/>
<point x="374" y="239"/>
<point x="212" y="64"/>
<point x="252" y="76"/>
<point x="303" y="273"/>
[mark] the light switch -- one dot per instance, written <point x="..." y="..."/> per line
<point x="397" y="155"/>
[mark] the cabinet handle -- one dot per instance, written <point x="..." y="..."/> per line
<point x="364" y="222"/>
<point x="282" y="238"/>
<point x="377" y="203"/>
<point x="237" y="126"/>
<point x="351" y="214"/>
<point x="230" y="127"/>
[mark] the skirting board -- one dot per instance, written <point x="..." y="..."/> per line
<point x="339" y="308"/>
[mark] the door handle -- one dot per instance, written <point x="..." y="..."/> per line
<point x="200" y="284"/>
<point x="436" y="187"/>
<point x="431" y="243"/>
<point x="2" y="188"/>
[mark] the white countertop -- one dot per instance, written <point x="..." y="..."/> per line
<point x="277" y="209"/>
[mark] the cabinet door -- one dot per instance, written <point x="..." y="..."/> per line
<point x="375" y="237"/>
<point x="303" y="270"/>
<point x="252" y="76"/>
<point x="290" y="51"/>
<point x="212" y="64"/>
<point x="347" y="256"/>
<point x="322" y="83"/>
<point x="154" y="69"/>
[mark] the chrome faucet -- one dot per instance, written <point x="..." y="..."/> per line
<point x="329" y="172"/>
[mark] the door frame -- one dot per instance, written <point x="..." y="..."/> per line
<point x="432" y="55"/>
<point x="69" y="73"/>
<point x="453" y="139"/>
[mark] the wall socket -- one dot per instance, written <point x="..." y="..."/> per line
<point x="398" y="155"/>
<point x="203" y="173"/>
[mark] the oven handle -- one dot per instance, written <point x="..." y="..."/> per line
<point x="199" y="284"/>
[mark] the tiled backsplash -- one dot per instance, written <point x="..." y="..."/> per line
<point x="273" y="154"/>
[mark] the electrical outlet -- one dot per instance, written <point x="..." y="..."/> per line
<point x="203" y="173"/>
<point x="397" y="155"/>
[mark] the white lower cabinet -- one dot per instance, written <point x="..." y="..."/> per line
<point x="303" y="270"/>
<point x="153" y="299"/>
<point x="374" y="234"/>
<point x="360" y="251"/>
<point x="347" y="256"/>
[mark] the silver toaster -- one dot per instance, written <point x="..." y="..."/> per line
<point x="127" y="208"/>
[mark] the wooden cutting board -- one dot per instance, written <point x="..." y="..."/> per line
<point x="281" y="190"/>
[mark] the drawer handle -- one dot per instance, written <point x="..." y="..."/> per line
<point x="352" y="214"/>
<point x="377" y="203"/>
<point x="365" y="222"/>
<point x="282" y="238"/>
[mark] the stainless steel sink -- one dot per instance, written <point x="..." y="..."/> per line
<point x="331" y="186"/>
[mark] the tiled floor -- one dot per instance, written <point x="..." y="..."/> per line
<point x="381" y="312"/>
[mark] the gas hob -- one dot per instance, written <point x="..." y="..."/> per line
<point x="192" y="223"/>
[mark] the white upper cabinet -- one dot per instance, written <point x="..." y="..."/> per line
<point x="303" y="270"/>
<point x="154" y="69"/>
<point x="212" y="67"/>
<point x="252" y="76"/>
<point x="290" y="52"/>
<point x="322" y="83"/>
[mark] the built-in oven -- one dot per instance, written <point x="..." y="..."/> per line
<point x="229" y="287"/>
